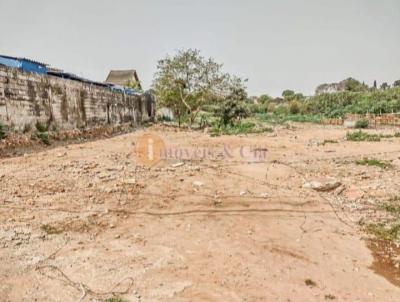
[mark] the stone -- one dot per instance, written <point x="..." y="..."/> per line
<point x="323" y="185"/>
<point x="180" y="164"/>
<point x="130" y="181"/>
<point x="197" y="183"/>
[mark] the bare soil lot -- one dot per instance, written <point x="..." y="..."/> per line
<point x="87" y="222"/>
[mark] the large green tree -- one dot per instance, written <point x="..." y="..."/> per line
<point x="186" y="81"/>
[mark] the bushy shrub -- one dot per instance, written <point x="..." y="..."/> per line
<point x="256" y="108"/>
<point x="41" y="127"/>
<point x="265" y="98"/>
<point x="360" y="136"/>
<point x="281" y="110"/>
<point x="2" y="132"/>
<point x="231" y="111"/>
<point x="44" y="137"/>
<point x="294" y="107"/>
<point x="271" y="108"/>
<point x="362" y="124"/>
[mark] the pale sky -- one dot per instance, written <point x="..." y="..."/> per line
<point x="277" y="45"/>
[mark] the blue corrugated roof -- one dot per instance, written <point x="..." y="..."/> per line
<point x="23" y="59"/>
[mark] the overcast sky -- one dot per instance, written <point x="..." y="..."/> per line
<point x="294" y="44"/>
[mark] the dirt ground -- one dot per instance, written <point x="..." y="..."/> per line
<point x="90" y="221"/>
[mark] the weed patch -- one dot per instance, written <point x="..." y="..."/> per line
<point x="360" y="136"/>
<point x="362" y="124"/>
<point x="49" y="229"/>
<point x="384" y="231"/>
<point x="115" y="300"/>
<point x="283" y="118"/>
<point x="374" y="162"/>
<point x="239" y="128"/>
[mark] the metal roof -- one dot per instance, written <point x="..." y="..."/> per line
<point x="23" y="59"/>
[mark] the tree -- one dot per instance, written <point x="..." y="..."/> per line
<point x="396" y="83"/>
<point x="264" y="99"/>
<point x="288" y="94"/>
<point x="354" y="85"/>
<point x="375" y="85"/>
<point x="187" y="81"/>
<point x="385" y="86"/>
<point x="299" y="96"/>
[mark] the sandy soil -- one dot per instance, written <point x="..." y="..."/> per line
<point x="86" y="222"/>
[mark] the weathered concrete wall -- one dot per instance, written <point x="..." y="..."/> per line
<point x="26" y="98"/>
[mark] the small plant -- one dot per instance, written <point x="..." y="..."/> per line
<point x="238" y="128"/>
<point x="397" y="134"/>
<point x="44" y="137"/>
<point x="330" y="297"/>
<point x="362" y="124"/>
<point x="360" y="136"/>
<point x="2" y="132"/>
<point x="329" y="141"/>
<point x="41" y="127"/>
<point x="49" y="229"/>
<point x="310" y="283"/>
<point x="374" y="162"/>
<point x="116" y="299"/>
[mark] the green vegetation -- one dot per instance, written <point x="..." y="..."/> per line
<point x="2" y="132"/>
<point x="360" y="136"/>
<point x="230" y="112"/>
<point x="199" y="93"/>
<point x="391" y="208"/>
<point x="50" y="229"/>
<point x="384" y="231"/>
<point x="340" y="103"/>
<point x="374" y="162"/>
<point x="115" y="299"/>
<point x="41" y="127"/>
<point x="275" y="118"/>
<point x="329" y="141"/>
<point x="388" y="228"/>
<point x="187" y="81"/>
<point x="242" y="127"/>
<point x="43" y="137"/>
<point x="362" y="124"/>
<point x="397" y="134"/>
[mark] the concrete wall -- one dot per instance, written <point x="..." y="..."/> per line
<point x="65" y="104"/>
